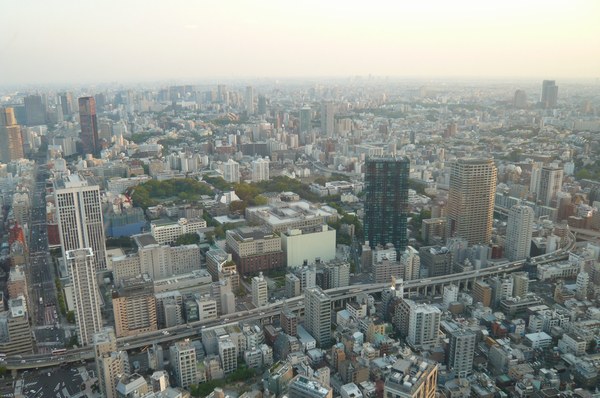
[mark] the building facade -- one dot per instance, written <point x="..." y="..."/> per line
<point x="386" y="202"/>
<point x="471" y="200"/>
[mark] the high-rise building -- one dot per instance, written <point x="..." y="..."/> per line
<point x="551" y="179"/>
<point x="260" y="170"/>
<point x="412" y="378"/>
<point x="231" y="171"/>
<point x="11" y="141"/>
<point x="134" y="306"/>
<point x="471" y="200"/>
<point x="305" y="120"/>
<point x="386" y="202"/>
<point x="89" y="125"/>
<point x="482" y="293"/>
<point x="66" y="103"/>
<point x="423" y="325"/>
<point x="86" y="296"/>
<point x="520" y="99"/>
<point x="249" y="100"/>
<point x="35" y="110"/>
<point x="317" y="319"/>
<point x="549" y="96"/>
<point x="519" y="230"/>
<point x="111" y="364"/>
<point x="80" y="217"/>
<point x="260" y="296"/>
<point x="328" y="119"/>
<point x="183" y="362"/>
<point x="461" y="352"/>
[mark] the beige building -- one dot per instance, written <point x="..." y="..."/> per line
<point x="110" y="363"/>
<point x="168" y="231"/>
<point x="15" y="332"/>
<point x="86" y="296"/>
<point x="134" y="307"/>
<point x="471" y="200"/>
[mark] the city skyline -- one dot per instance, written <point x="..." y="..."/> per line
<point x="150" y="41"/>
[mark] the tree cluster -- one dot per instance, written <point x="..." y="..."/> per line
<point x="152" y="192"/>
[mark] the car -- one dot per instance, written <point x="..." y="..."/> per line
<point x="126" y="344"/>
<point x="23" y="361"/>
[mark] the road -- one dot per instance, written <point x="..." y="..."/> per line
<point x="273" y="309"/>
<point x="40" y="271"/>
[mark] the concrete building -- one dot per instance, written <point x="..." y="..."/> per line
<point x="292" y="286"/>
<point x="80" y="218"/>
<point x="551" y="179"/>
<point x="437" y="260"/>
<point x="89" y="126"/>
<point x="302" y="246"/>
<point x="520" y="284"/>
<point x="519" y="230"/>
<point x="482" y="293"/>
<point x="461" y="351"/>
<point x="231" y="171"/>
<point x="327" y="119"/>
<point x="423" y="325"/>
<point x="166" y="231"/>
<point x="471" y="198"/>
<point x="317" y="318"/>
<point x="336" y="274"/>
<point x="549" y="95"/>
<point x="289" y="322"/>
<point x="10" y="136"/>
<point x="132" y="386"/>
<point x="228" y="355"/>
<point x="411" y="262"/>
<point x="414" y="377"/>
<point x="254" y="249"/>
<point x="86" y="295"/>
<point x="134" y="307"/>
<point x="303" y="387"/>
<point x="386" y="202"/>
<point x="183" y="362"/>
<point x="260" y="170"/>
<point x="15" y="331"/>
<point x="260" y="294"/>
<point x="111" y="364"/>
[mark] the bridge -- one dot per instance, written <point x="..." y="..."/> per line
<point x="338" y="295"/>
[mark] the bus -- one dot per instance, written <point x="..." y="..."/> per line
<point x="59" y="351"/>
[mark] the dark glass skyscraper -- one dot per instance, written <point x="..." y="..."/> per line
<point x="386" y="201"/>
<point x="89" y="125"/>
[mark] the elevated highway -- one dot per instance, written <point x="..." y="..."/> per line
<point x="193" y="329"/>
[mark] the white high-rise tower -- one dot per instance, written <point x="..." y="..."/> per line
<point x="80" y="218"/>
<point x="519" y="230"/>
<point x="81" y="267"/>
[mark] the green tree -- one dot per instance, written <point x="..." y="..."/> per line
<point x="71" y="316"/>
<point x="187" y="239"/>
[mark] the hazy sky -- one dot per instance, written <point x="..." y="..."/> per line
<point x="81" y="41"/>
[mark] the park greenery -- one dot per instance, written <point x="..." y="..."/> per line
<point x="154" y="192"/>
<point x="589" y="171"/>
<point x="187" y="239"/>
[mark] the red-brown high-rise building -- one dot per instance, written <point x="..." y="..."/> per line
<point x="89" y="125"/>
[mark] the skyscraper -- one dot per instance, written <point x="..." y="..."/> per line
<point x="11" y="141"/>
<point x="471" y="200"/>
<point x="85" y="293"/>
<point x="305" y="124"/>
<point x="80" y="217"/>
<point x="328" y="119"/>
<point x="520" y="99"/>
<point x="519" y="230"/>
<point x="35" y="110"/>
<point x="317" y="319"/>
<point x="89" y="125"/>
<point x="461" y="352"/>
<point x="386" y="202"/>
<point x="551" y="179"/>
<point x="549" y="94"/>
<point x="134" y="306"/>
<point x="249" y="100"/>
<point x="66" y="103"/>
<point x="231" y="171"/>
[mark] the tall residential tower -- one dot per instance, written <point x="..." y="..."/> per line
<point x="471" y="200"/>
<point x="89" y="125"/>
<point x="386" y="202"/>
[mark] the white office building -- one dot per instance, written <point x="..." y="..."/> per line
<point x="519" y="230"/>
<point x="260" y="295"/>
